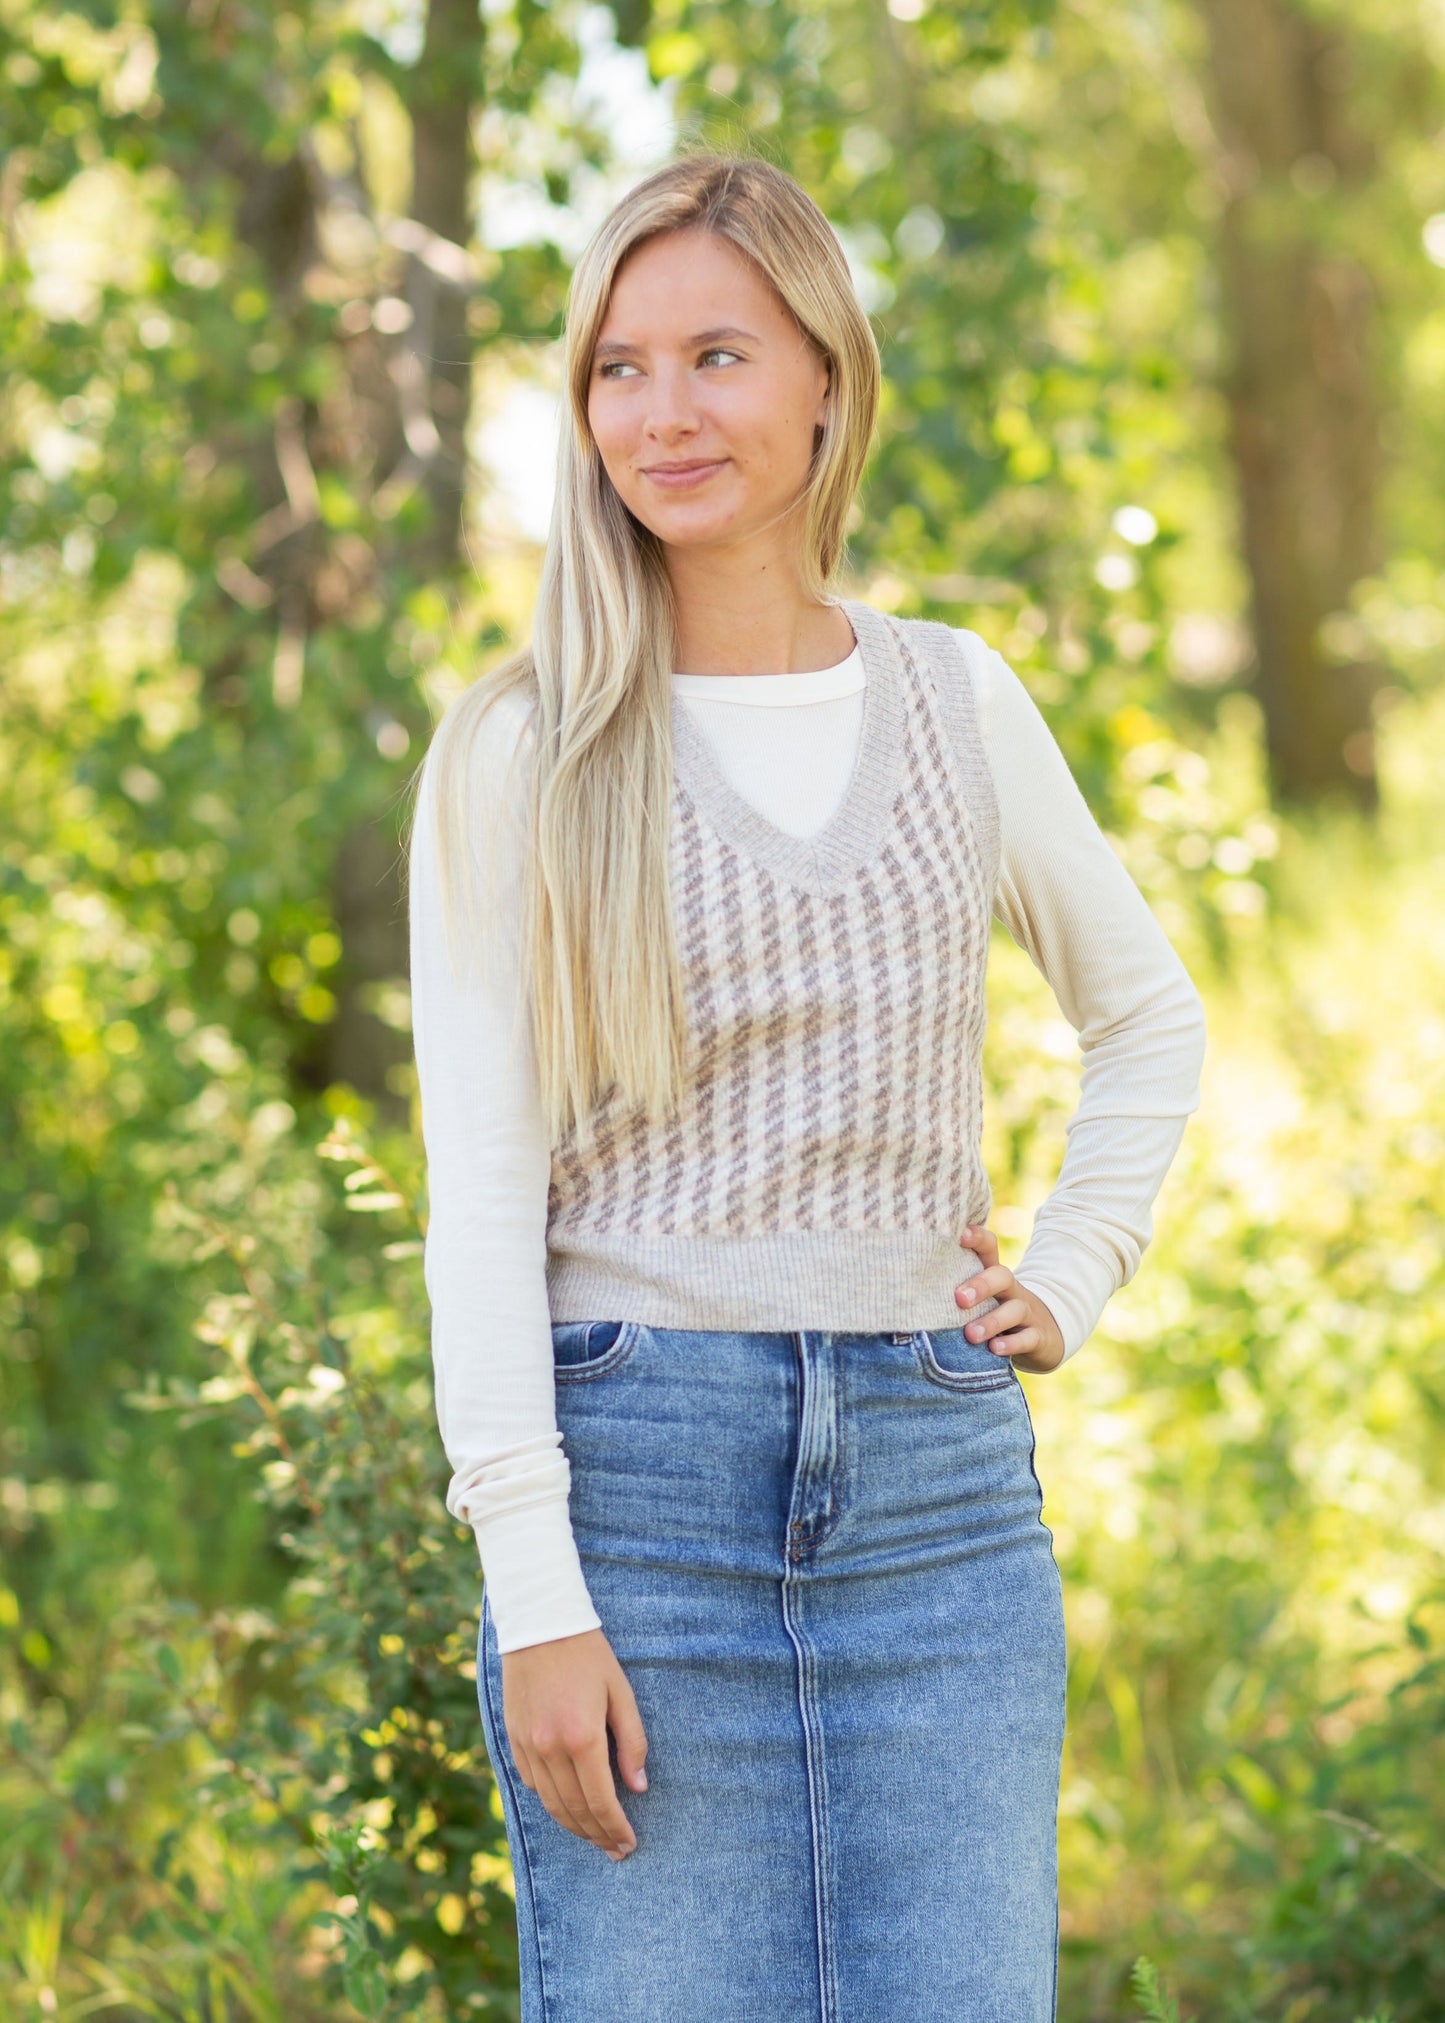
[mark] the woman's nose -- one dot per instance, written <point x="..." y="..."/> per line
<point x="671" y="403"/>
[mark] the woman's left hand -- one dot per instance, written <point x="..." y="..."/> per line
<point x="1021" y="1327"/>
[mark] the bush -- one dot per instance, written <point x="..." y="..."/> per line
<point x="300" y="1808"/>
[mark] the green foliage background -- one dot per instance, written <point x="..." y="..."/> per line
<point x="242" y="1773"/>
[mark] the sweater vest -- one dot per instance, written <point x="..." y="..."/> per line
<point x="826" y="1150"/>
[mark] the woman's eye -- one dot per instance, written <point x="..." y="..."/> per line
<point x="612" y="365"/>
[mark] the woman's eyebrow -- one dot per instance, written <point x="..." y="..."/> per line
<point x="616" y="347"/>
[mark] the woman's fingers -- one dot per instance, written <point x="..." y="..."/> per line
<point x="627" y="1728"/>
<point x="1016" y="1338"/>
<point x="547" y="1790"/>
<point x="1023" y="1328"/>
<point x="593" y="1772"/>
<point x="1010" y="1313"/>
<point x="578" y="1794"/>
<point x="591" y="1797"/>
<point x="994" y="1279"/>
<point x="993" y="1283"/>
<point x="998" y="1279"/>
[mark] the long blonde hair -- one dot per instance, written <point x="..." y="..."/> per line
<point x="598" y="947"/>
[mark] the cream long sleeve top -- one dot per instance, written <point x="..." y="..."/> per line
<point x="787" y="743"/>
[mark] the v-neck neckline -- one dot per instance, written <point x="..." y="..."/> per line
<point x="853" y="834"/>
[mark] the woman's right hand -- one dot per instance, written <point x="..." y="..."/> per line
<point x="558" y="1701"/>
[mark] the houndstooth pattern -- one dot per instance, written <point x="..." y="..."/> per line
<point x="834" y="1039"/>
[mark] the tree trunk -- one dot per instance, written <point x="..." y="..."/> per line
<point x="445" y="91"/>
<point x="1298" y="315"/>
<point x="435" y="393"/>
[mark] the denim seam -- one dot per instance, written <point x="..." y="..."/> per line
<point x="817" y="1808"/>
<point x="1054" y="1994"/>
<point x="586" y="1373"/>
<point x="967" y="1380"/>
<point x="1064" y="1709"/>
<point x="1033" y="1470"/>
<point x="506" y="1772"/>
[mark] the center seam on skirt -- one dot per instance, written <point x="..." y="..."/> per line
<point x="819" y="1442"/>
<point x="816" y="1765"/>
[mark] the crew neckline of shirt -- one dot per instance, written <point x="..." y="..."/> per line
<point x="774" y="691"/>
<point x="855" y="834"/>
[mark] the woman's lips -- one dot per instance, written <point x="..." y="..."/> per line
<point x="683" y="481"/>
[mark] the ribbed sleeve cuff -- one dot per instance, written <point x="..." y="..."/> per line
<point x="1075" y="1285"/>
<point x="534" y="1577"/>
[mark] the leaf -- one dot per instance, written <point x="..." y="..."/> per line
<point x="1159" y="2005"/>
<point x="1253" y="1783"/>
<point x="222" y="1390"/>
<point x="365" y="1988"/>
<point x="169" y="1663"/>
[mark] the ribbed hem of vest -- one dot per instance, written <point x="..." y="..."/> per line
<point x="852" y="1281"/>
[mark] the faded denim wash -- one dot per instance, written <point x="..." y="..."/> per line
<point x="821" y="1563"/>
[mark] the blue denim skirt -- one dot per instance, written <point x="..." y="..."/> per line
<point x="821" y="1563"/>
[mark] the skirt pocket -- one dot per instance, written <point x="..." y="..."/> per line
<point x="585" y="1350"/>
<point x="948" y="1358"/>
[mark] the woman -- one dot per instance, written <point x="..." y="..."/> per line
<point x="701" y="888"/>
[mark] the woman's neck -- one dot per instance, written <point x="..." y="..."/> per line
<point x="758" y="635"/>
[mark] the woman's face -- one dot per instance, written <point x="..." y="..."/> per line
<point x="698" y="362"/>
